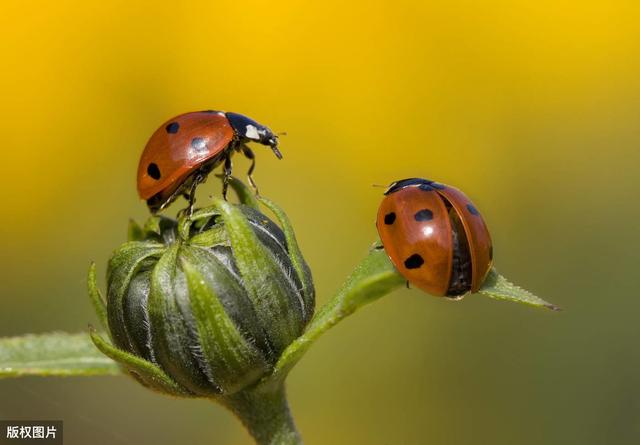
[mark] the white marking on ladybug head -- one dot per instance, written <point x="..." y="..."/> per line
<point x="252" y="133"/>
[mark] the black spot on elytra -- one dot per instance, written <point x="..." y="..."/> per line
<point x="389" y="218"/>
<point x="413" y="262"/>
<point x="172" y="128"/>
<point x="153" y="171"/>
<point x="426" y="187"/>
<point x="423" y="215"/>
<point x="473" y="210"/>
<point x="198" y="143"/>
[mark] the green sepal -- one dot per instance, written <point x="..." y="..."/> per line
<point x="123" y="265"/>
<point x="215" y="236"/>
<point x="149" y="374"/>
<point x="278" y="313"/>
<point x="152" y="225"/>
<point x="199" y="219"/>
<point x="498" y="287"/>
<point x="96" y="297"/>
<point x="299" y="264"/>
<point x="234" y="362"/>
<point x="135" y="232"/>
<point x="172" y="325"/>
<point x="229" y="290"/>
<point x="245" y="194"/>
<point x="159" y="229"/>
<point x="196" y="230"/>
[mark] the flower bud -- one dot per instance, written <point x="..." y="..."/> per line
<point x="205" y="305"/>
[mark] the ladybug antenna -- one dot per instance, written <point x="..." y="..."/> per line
<point x="281" y="133"/>
<point x="379" y="186"/>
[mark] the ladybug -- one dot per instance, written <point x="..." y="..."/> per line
<point x="184" y="150"/>
<point x="435" y="237"/>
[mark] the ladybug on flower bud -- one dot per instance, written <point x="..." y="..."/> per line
<point x="435" y="237"/>
<point x="185" y="149"/>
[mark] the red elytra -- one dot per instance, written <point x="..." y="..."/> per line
<point x="183" y="151"/>
<point x="435" y="237"/>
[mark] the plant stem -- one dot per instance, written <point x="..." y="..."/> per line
<point x="264" y="411"/>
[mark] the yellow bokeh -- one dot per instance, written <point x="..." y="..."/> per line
<point x="531" y="108"/>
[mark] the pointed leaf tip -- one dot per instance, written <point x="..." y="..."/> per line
<point x="134" y="231"/>
<point x="245" y="195"/>
<point x="498" y="287"/>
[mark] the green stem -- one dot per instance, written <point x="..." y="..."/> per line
<point x="264" y="411"/>
<point x="373" y="278"/>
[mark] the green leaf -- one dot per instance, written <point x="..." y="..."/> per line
<point x="496" y="286"/>
<point x="373" y="278"/>
<point x="55" y="354"/>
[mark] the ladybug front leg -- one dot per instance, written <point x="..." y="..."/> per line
<point x="227" y="174"/>
<point x="249" y="155"/>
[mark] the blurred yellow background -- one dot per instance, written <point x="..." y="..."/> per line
<point x="531" y="108"/>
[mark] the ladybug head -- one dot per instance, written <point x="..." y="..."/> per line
<point x="249" y="129"/>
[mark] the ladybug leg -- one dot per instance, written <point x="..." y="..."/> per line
<point x="191" y="197"/>
<point x="249" y="155"/>
<point x="227" y="175"/>
<point x="408" y="286"/>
